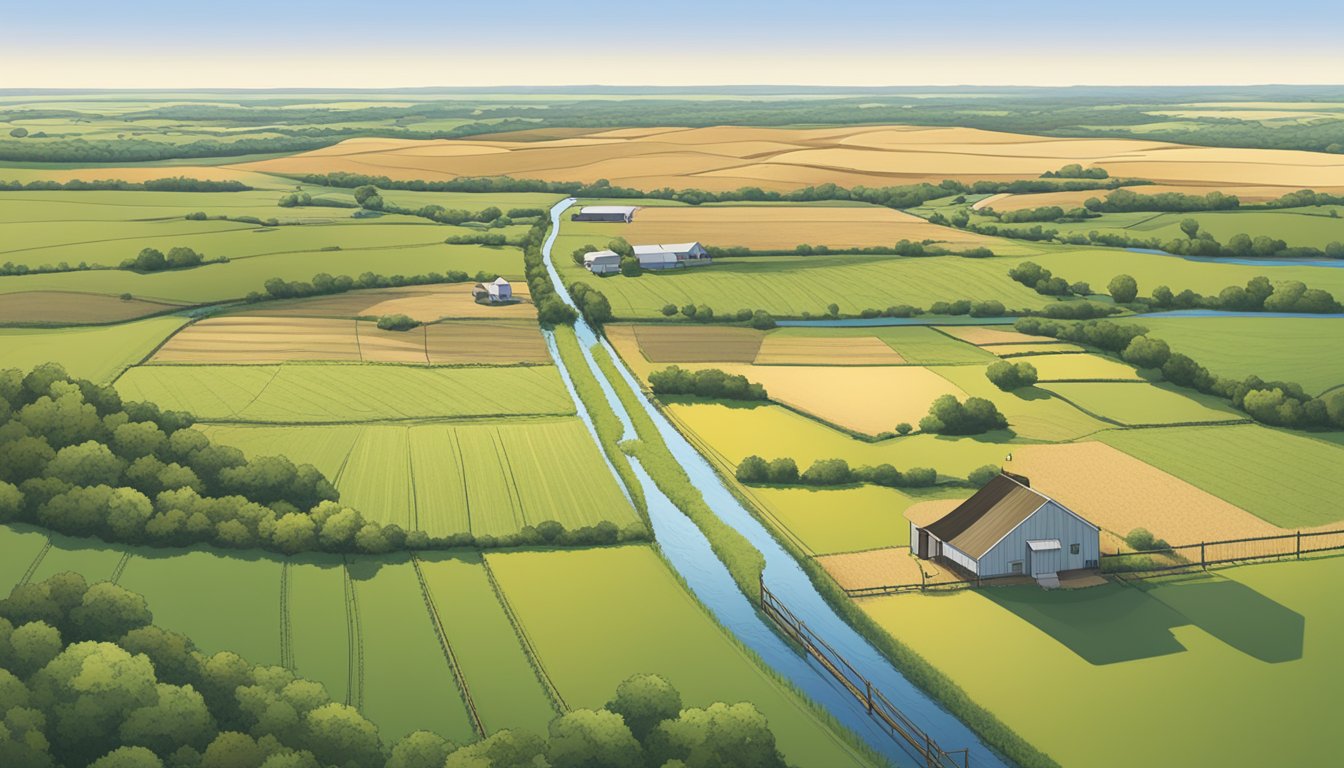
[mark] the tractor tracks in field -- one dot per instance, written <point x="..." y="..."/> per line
<point x="529" y="650"/>
<point x="447" y="648"/>
<point x="37" y="563"/>
<point x="286" y="624"/>
<point x="354" y="688"/>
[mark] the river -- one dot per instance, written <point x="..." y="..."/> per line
<point x="689" y="552"/>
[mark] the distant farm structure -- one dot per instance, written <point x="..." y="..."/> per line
<point x="497" y="292"/>
<point x="620" y="214"/>
<point x="602" y="262"/>
<point x="1010" y="529"/>
<point x="672" y="256"/>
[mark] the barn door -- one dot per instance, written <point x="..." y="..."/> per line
<point x="923" y="550"/>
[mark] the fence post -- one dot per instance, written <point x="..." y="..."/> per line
<point x="1203" y="562"/>
<point x="1299" y="545"/>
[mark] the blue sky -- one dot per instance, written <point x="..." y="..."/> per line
<point x="407" y="43"/>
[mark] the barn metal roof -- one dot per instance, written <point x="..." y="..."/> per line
<point x="640" y="250"/>
<point x="601" y="209"/>
<point x="984" y="519"/>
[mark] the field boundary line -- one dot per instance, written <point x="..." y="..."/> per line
<point x="37" y="562"/>
<point x="447" y="647"/>
<point x="410" y="473"/>
<point x="529" y="650"/>
<point x="359" y="350"/>
<point x="462" y="475"/>
<point x="354" y="689"/>
<point x="121" y="566"/>
<point x="286" y="626"/>
<point x="502" y="456"/>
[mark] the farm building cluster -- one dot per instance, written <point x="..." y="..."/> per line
<point x="498" y="291"/>
<point x="651" y="256"/>
<point x="1009" y="529"/>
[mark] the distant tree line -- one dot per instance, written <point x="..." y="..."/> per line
<point x="303" y="199"/>
<point x="1259" y="295"/>
<point x="324" y="284"/>
<point x="754" y="470"/>
<point x="174" y="184"/>
<point x="1278" y="403"/>
<point x="707" y="382"/>
<point x="178" y="257"/>
<point x="159" y="701"/>
<point x="1077" y="171"/>
<point x="901" y="248"/>
<point x="1125" y="201"/>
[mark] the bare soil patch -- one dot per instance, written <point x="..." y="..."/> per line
<point x="249" y="339"/>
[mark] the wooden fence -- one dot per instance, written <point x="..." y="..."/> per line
<point x="919" y="743"/>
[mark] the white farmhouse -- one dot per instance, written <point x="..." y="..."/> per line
<point x="671" y="256"/>
<point x="497" y="292"/>
<point x="602" y="262"/>
<point x="1008" y="529"/>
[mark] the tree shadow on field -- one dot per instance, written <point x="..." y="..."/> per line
<point x="1114" y="623"/>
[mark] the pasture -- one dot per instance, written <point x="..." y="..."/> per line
<point x="829" y="520"/>
<point x="485" y="478"/>
<point x="635" y="617"/>
<point x="1276" y="349"/>
<point x="917" y="344"/>
<point x="1032" y="412"/>
<point x="1140" y="404"/>
<point x="425" y="303"/>
<point x="799" y="349"/>
<point x="1079" y="367"/>
<point x="1285" y="478"/>
<point x="1236" y="641"/>
<point x="68" y="308"/>
<point x="298" y="393"/>
<point x="729" y="157"/>
<point x="98" y="353"/>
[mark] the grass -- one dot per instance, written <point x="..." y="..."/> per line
<point x="1285" y="478"/>
<point x="99" y="353"/>
<point x="1140" y="403"/>
<point x="57" y="308"/>
<point x="1297" y="226"/>
<point x="236" y="279"/>
<point x="1234" y="642"/>
<point x="1068" y="367"/>
<point x="635" y="618"/>
<point x="484" y="478"/>
<point x="222" y="602"/>
<point x="318" y="622"/>
<point x="346" y="393"/>
<point x="1032" y="412"/>
<point x="1282" y="348"/>
<point x="504" y="686"/>
<point x="407" y="683"/>
<point x="917" y="344"/>
<point x="21" y="546"/>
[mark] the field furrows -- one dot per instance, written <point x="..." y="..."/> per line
<point x="447" y="647"/>
<point x="354" y="684"/>
<point x="37" y="563"/>
<point x="286" y="625"/>
<point x="552" y="692"/>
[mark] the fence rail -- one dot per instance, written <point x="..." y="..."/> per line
<point x="893" y="721"/>
<point x="1156" y="561"/>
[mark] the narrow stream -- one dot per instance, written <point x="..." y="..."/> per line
<point x="686" y="547"/>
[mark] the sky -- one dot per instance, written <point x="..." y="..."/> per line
<point x="402" y="43"/>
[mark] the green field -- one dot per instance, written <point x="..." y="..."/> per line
<point x="1289" y="479"/>
<point x="918" y="344"/>
<point x="1275" y="349"/>
<point x="634" y="616"/>
<point x="97" y="353"/>
<point x="406" y="683"/>
<point x="1140" y="403"/>
<point x="1217" y="654"/>
<point x="827" y="521"/>
<point x="482" y="478"/>
<point x="504" y="686"/>
<point x="21" y="547"/>
<point x="1032" y="412"/>
<point x="1313" y="227"/>
<point x="346" y="393"/>
<point x="318" y="622"/>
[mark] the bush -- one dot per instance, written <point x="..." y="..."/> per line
<point x="708" y="382"/>
<point x="753" y="469"/>
<point x="827" y="472"/>
<point x="1123" y="289"/>
<point x="1146" y="353"/>
<point x="904" y="428"/>
<point x="1141" y="540"/>
<point x="1009" y="376"/>
<point x="980" y="476"/>
<point x="948" y="416"/>
<point x="397" y="323"/>
<point x="669" y="310"/>
<point x="783" y="471"/>
<point x="630" y="267"/>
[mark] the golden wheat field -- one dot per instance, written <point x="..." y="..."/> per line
<point x="784" y="227"/>
<point x="779" y="349"/>
<point x="1120" y="493"/>
<point x="880" y="568"/>
<point x="74" y="308"/>
<point x="728" y="157"/>
<point x="425" y="303"/>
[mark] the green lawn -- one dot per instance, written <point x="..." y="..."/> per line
<point x="98" y="353"/>
<point x="1140" y="403"/>
<point x="1303" y="350"/>
<point x="346" y="393"/>
<point x="1289" y="479"/>
<point x="1189" y="661"/>
<point x="598" y="616"/>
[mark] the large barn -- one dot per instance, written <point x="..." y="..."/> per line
<point x="670" y="256"/>
<point x="602" y="262"/>
<point x="623" y="214"/>
<point x="1008" y="529"/>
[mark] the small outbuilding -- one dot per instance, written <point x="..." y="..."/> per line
<point x="1009" y="528"/>
<point x="602" y="262"/>
<point x="671" y="256"/>
<point x="497" y="292"/>
<point x="621" y="214"/>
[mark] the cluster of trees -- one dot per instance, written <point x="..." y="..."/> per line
<point x="479" y="238"/>
<point x="758" y="319"/>
<point x="397" y="323"/>
<point x="830" y="472"/>
<point x="1259" y="295"/>
<point x="901" y="248"/>
<point x="9" y="268"/>
<point x="551" y="309"/>
<point x="178" y="257"/>
<point x="302" y="199"/>
<point x="1044" y="213"/>
<point x="324" y="284"/>
<point x="159" y="701"/>
<point x="1124" y="201"/>
<point x="592" y="303"/>
<point x="1077" y="171"/>
<point x="1008" y="376"/>
<point x="172" y="184"/>
<point x="950" y="416"/>
<point x="708" y="382"/>
<point x="1045" y="282"/>
<point x="1279" y="403"/>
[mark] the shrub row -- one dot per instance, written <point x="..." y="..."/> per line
<point x="173" y="184"/>
<point x="707" y="382"/>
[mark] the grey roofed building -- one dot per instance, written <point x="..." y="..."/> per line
<point x="1008" y="528"/>
<point x="602" y="262"/>
<point x="666" y="255"/>
<point x="610" y="213"/>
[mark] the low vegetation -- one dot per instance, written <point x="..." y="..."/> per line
<point x="707" y="382"/>
<point x="397" y="323"/>
<point x="754" y="470"/>
<point x="950" y="416"/>
<point x="1009" y="376"/>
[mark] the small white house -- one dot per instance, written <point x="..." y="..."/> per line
<point x="622" y="214"/>
<point x="496" y="292"/>
<point x="602" y="262"/>
<point x="671" y="256"/>
<point x="1007" y="529"/>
